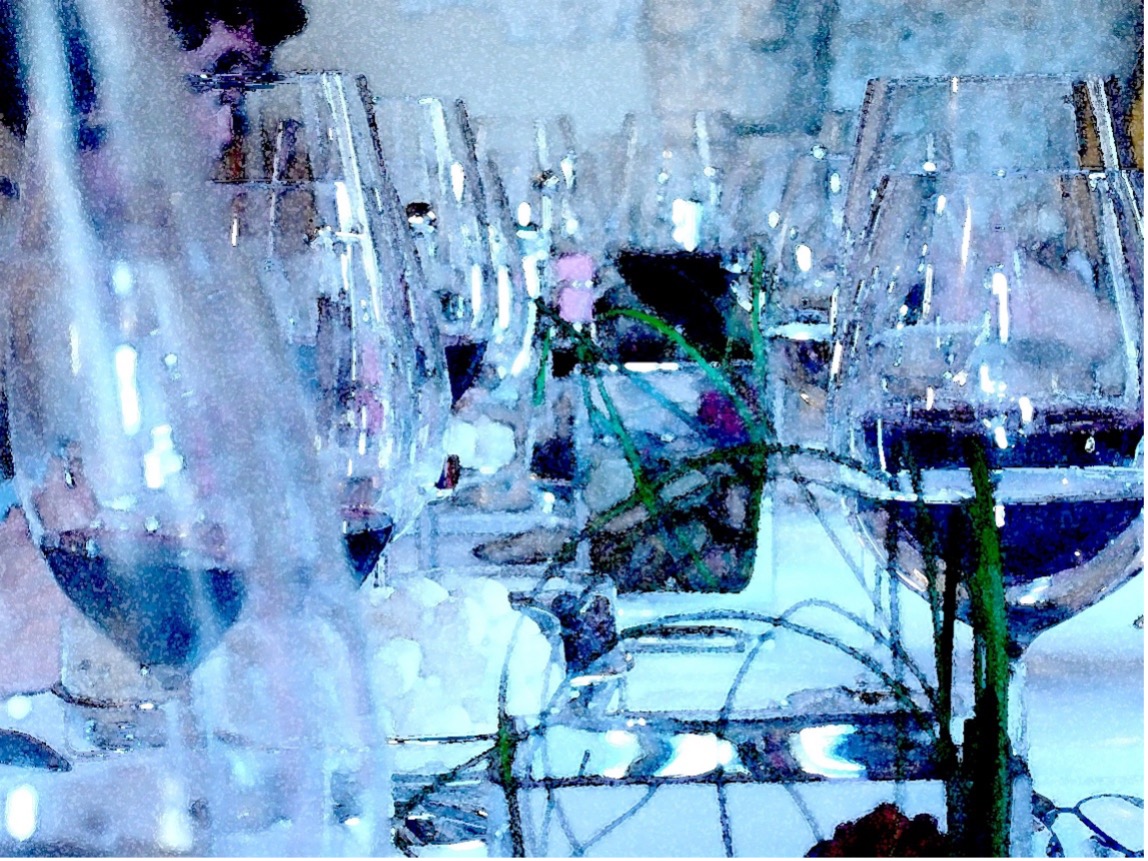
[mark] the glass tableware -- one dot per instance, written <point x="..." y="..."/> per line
<point x="666" y="209"/>
<point x="997" y="316"/>
<point x="670" y="173"/>
<point x="310" y="206"/>
<point x="166" y="458"/>
<point x="429" y="153"/>
<point x="1004" y="310"/>
<point x="925" y="125"/>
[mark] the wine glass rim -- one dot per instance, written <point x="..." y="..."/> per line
<point x="922" y="81"/>
<point x="1005" y="174"/>
<point x="207" y="82"/>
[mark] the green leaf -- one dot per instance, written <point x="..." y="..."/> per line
<point x="540" y="377"/>
<point x="756" y="341"/>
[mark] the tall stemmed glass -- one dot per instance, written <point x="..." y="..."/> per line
<point x="309" y="203"/>
<point x="430" y="158"/>
<point x="527" y="169"/>
<point x="1001" y="311"/>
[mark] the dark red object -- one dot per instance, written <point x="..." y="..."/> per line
<point x="885" y="832"/>
<point x="721" y="417"/>
<point x="451" y="473"/>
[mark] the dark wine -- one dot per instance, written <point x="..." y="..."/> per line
<point x="1065" y="492"/>
<point x="1039" y="539"/>
<point x="690" y="290"/>
<point x="463" y="362"/>
<point x="938" y="439"/>
<point x="364" y="547"/>
<point x="152" y="605"/>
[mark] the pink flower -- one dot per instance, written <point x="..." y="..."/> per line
<point x="576" y="304"/>
<point x="574" y="268"/>
<point x="575" y="274"/>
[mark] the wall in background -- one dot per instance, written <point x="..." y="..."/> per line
<point x="518" y="58"/>
<point x="776" y="64"/>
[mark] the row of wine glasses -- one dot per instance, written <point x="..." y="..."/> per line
<point x="178" y="434"/>
<point x="963" y="275"/>
<point x="315" y="212"/>
<point x="969" y="255"/>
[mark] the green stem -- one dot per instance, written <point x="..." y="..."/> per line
<point x="645" y="491"/>
<point x="745" y="458"/>
<point x="943" y="621"/>
<point x="540" y="377"/>
<point x="990" y="620"/>
<point x="505" y="749"/>
<point x="892" y="529"/>
<point x="756" y="341"/>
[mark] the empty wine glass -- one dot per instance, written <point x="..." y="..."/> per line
<point x="669" y="174"/>
<point x="786" y="198"/>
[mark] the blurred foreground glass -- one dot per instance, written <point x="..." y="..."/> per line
<point x="168" y="463"/>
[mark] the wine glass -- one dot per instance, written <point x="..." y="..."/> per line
<point x="167" y="462"/>
<point x="787" y="199"/>
<point x="1002" y="311"/>
<point x="309" y="203"/>
<point x="668" y="243"/>
<point x="527" y="171"/>
<point x="430" y="158"/>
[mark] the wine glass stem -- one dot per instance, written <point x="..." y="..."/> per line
<point x="1020" y="831"/>
<point x="1018" y="707"/>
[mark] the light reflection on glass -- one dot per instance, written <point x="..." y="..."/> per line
<point x="162" y="460"/>
<point x="697" y="754"/>
<point x="125" y="362"/>
<point x="816" y="750"/>
<point x="21" y="812"/>
<point x="457" y="180"/>
<point x="686" y="215"/>
<point x="121" y="278"/>
<point x="74" y="346"/>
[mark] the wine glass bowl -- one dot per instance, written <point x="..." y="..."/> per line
<point x="999" y="310"/>
<point x="312" y="206"/>
<point x="942" y="124"/>
<point x="429" y="153"/>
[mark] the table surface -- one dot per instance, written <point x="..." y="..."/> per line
<point x="1084" y="696"/>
